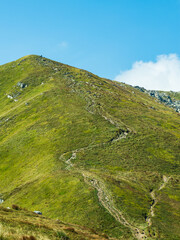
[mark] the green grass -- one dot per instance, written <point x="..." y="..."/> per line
<point x="22" y="224"/>
<point x="65" y="108"/>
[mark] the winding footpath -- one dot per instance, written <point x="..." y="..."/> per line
<point x="155" y="199"/>
<point x="107" y="202"/>
<point x="103" y="194"/>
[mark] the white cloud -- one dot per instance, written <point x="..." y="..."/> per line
<point x="63" y="45"/>
<point x="164" y="74"/>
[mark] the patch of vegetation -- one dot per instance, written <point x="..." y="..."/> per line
<point x="62" y="236"/>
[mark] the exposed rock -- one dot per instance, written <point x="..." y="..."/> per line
<point x="38" y="212"/>
<point x="13" y="96"/>
<point x="9" y="96"/>
<point x="21" y="85"/>
<point x="162" y="97"/>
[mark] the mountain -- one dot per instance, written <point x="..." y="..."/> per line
<point x="88" y="151"/>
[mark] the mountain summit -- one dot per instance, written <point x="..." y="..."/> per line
<point x="88" y="151"/>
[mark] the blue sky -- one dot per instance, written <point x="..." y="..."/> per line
<point x="102" y="36"/>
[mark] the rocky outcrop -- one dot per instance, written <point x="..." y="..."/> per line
<point x="162" y="97"/>
<point x="17" y="91"/>
<point x="21" y="85"/>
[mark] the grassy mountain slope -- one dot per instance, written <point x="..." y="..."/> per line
<point x="88" y="150"/>
<point x="20" y="224"/>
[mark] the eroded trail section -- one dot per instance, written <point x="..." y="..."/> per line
<point x="155" y="199"/>
<point x="107" y="202"/>
<point x="105" y="197"/>
<point x="103" y="194"/>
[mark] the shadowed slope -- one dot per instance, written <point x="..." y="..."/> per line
<point x="21" y="224"/>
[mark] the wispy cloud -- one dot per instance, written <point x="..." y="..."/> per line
<point x="164" y="74"/>
<point x="63" y="45"/>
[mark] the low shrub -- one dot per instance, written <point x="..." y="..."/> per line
<point x="16" y="207"/>
<point x="62" y="236"/>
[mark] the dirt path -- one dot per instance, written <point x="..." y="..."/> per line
<point x="107" y="202"/>
<point x="105" y="197"/>
<point x="119" y="135"/>
<point x="155" y="199"/>
<point x="103" y="194"/>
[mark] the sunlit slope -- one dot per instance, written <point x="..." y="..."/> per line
<point x="88" y="150"/>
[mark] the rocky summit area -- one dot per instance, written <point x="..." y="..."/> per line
<point x="167" y="98"/>
<point x="83" y="157"/>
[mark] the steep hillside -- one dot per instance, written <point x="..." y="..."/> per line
<point x="20" y="224"/>
<point x="88" y="150"/>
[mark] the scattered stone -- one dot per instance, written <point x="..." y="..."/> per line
<point x="1" y="200"/>
<point x="9" y="96"/>
<point x="21" y="85"/>
<point x="38" y="212"/>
